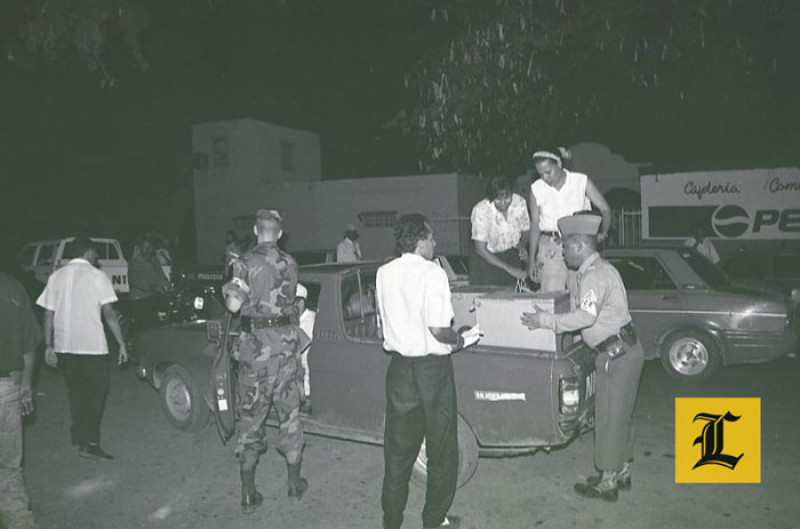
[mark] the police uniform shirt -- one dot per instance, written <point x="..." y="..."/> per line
<point x="556" y="203"/>
<point x="602" y="305"/>
<point x="413" y="294"/>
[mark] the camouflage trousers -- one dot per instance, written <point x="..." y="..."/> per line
<point x="270" y="375"/>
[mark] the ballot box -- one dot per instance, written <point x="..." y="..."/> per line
<point x="498" y="315"/>
<point x="463" y="299"/>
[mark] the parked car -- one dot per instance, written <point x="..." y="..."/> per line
<point x="511" y="401"/>
<point x="779" y="272"/>
<point x="42" y="258"/>
<point x="688" y="313"/>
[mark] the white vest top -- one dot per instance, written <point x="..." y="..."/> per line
<point x="556" y="203"/>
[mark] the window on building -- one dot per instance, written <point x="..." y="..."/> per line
<point x="220" y="151"/>
<point x="378" y="219"/>
<point x="287" y="156"/>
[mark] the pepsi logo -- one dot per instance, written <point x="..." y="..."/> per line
<point x="730" y="221"/>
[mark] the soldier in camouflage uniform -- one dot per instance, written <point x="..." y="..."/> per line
<point x="268" y="351"/>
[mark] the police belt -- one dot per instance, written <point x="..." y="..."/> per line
<point x="615" y="345"/>
<point x="264" y="323"/>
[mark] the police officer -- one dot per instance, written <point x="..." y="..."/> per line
<point x="263" y="285"/>
<point x="602" y="317"/>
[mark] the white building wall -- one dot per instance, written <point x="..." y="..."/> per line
<point x="318" y="212"/>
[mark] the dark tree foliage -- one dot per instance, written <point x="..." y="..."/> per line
<point x="526" y="74"/>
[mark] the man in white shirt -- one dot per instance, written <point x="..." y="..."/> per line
<point x="558" y="193"/>
<point x="702" y="245"/>
<point x="348" y="249"/>
<point x="413" y="298"/>
<point x="74" y="299"/>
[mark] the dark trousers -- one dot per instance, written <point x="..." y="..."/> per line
<point x="614" y="402"/>
<point x="420" y="404"/>
<point x="483" y="273"/>
<point x="86" y="377"/>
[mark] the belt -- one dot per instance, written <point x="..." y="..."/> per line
<point x="265" y="323"/>
<point x="626" y="335"/>
<point x="9" y="374"/>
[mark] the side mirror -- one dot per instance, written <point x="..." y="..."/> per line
<point x="213" y="330"/>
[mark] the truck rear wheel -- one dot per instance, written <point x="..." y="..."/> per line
<point x="467" y="457"/>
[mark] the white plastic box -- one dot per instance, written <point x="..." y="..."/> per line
<point x="498" y="315"/>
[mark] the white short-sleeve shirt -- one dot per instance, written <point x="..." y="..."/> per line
<point x="348" y="251"/>
<point x="500" y="231"/>
<point x="76" y="294"/>
<point x="413" y="294"/>
<point x="557" y="203"/>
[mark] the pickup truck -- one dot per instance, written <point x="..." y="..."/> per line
<point x="42" y="258"/>
<point x="511" y="400"/>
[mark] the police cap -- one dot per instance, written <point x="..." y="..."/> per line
<point x="580" y="223"/>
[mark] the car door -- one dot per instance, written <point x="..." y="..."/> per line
<point x="112" y="263"/>
<point x="654" y="300"/>
<point x="346" y="361"/>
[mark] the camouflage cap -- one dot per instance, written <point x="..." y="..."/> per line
<point x="581" y="223"/>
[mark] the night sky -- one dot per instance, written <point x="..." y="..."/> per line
<point x="79" y="153"/>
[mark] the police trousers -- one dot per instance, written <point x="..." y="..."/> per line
<point x="614" y="402"/>
<point x="420" y="404"/>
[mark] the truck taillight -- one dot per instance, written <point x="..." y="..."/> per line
<point x="569" y="395"/>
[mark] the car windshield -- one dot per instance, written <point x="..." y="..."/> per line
<point x="710" y="273"/>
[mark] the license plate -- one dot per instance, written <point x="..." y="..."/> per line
<point x="590" y="385"/>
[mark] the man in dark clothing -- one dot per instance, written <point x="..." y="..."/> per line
<point x="19" y="337"/>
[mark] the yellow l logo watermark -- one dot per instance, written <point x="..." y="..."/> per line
<point x="718" y="440"/>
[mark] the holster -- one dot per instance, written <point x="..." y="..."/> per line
<point x="617" y="345"/>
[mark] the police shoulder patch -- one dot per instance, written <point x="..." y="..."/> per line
<point x="589" y="302"/>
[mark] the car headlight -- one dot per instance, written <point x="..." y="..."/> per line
<point x="199" y="302"/>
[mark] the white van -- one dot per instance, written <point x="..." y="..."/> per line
<point x="41" y="258"/>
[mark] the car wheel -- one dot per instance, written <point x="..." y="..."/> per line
<point x="690" y="355"/>
<point x="181" y="401"/>
<point x="467" y="457"/>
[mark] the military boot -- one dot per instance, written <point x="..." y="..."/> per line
<point x="297" y="485"/>
<point x="606" y="488"/>
<point x="624" y="481"/>
<point x="251" y="498"/>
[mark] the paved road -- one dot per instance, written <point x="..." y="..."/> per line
<point x="162" y="478"/>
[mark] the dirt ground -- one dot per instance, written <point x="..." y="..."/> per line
<point x="162" y="478"/>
